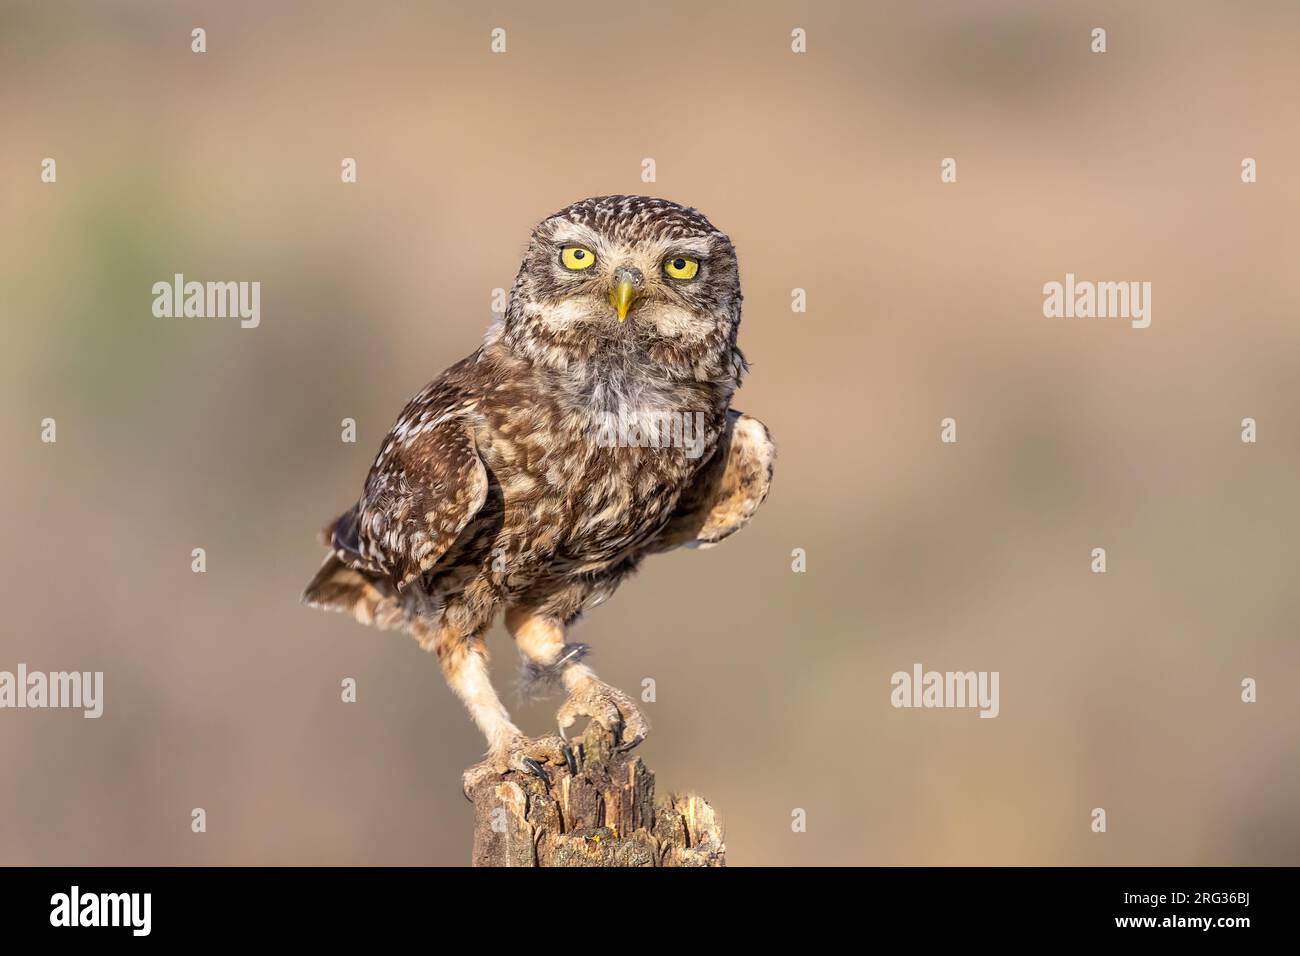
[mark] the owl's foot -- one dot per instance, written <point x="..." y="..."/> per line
<point x="607" y="706"/>
<point x="524" y="754"/>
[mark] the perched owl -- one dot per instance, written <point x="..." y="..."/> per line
<point x="593" y="427"/>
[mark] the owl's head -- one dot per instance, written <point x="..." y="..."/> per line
<point x="630" y="276"/>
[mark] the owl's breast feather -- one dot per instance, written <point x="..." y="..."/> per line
<point x="571" y="493"/>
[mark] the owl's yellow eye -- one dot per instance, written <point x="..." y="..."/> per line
<point x="682" y="267"/>
<point x="577" y="257"/>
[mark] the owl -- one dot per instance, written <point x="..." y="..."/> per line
<point x="592" y="428"/>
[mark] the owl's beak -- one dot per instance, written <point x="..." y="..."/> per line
<point x="621" y="296"/>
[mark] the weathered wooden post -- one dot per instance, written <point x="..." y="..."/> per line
<point x="604" y="815"/>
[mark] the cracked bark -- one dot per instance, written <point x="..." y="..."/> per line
<point x="605" y="815"/>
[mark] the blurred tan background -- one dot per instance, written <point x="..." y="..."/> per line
<point x="1119" y="691"/>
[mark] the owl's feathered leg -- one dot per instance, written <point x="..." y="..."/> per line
<point x="541" y="641"/>
<point x="464" y="661"/>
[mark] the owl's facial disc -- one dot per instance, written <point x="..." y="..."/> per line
<point x="628" y="279"/>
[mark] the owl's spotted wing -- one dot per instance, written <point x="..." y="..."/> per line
<point x="426" y="485"/>
<point x="727" y="491"/>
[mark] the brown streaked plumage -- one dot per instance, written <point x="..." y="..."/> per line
<point x="535" y="474"/>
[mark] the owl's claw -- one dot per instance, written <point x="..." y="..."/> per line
<point x="570" y="760"/>
<point x="625" y="747"/>
<point x="523" y="754"/>
<point x="607" y="706"/>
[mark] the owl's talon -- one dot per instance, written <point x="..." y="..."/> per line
<point x="522" y="754"/>
<point x="609" y="707"/>
<point x="625" y="747"/>
<point x="570" y="760"/>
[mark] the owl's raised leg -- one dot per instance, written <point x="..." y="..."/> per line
<point x="541" y="641"/>
<point x="464" y="661"/>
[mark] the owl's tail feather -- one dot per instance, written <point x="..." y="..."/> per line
<point x="370" y="599"/>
